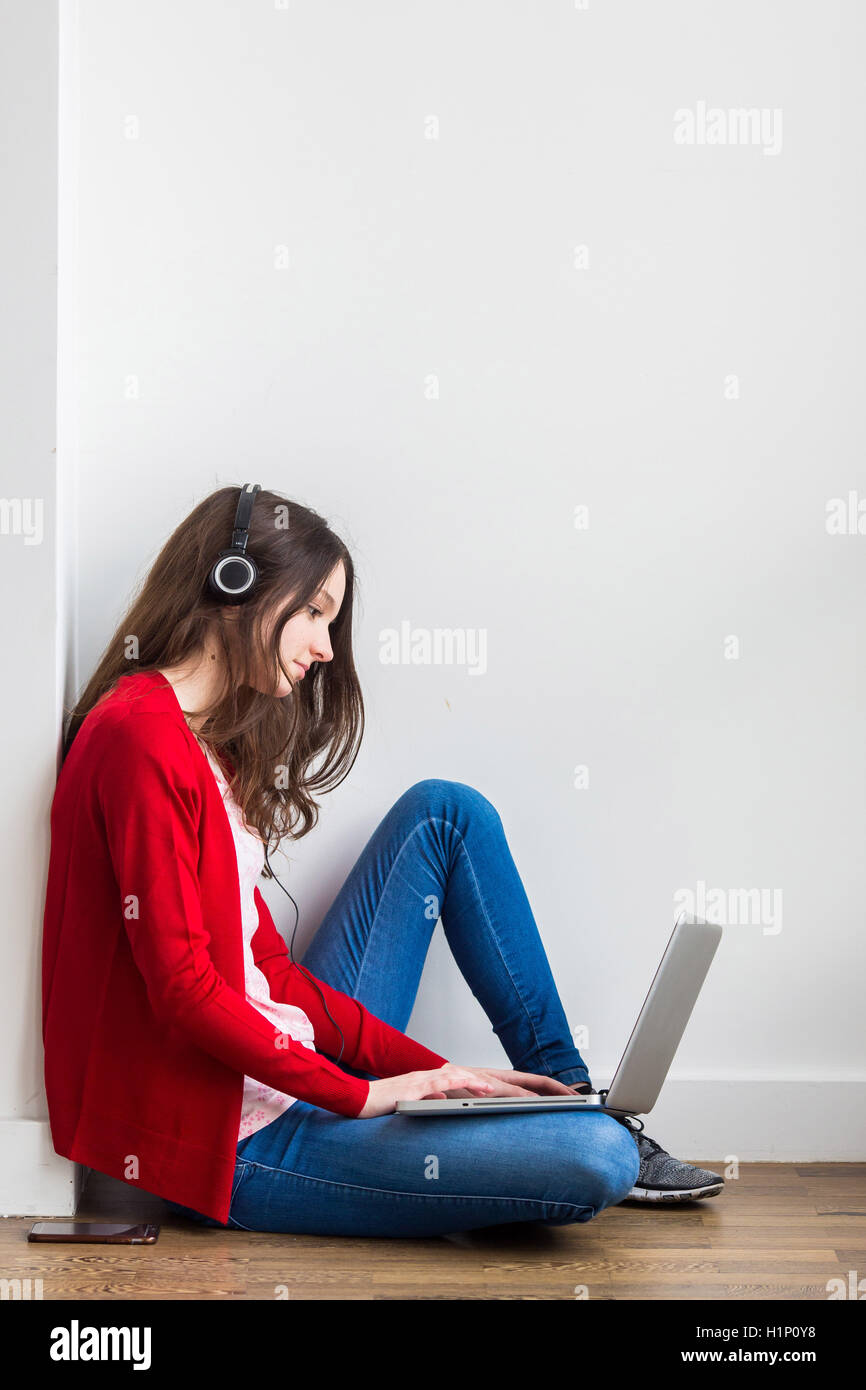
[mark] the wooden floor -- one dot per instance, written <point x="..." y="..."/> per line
<point x="779" y="1231"/>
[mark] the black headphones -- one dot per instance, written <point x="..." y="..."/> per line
<point x="231" y="579"/>
<point x="235" y="572"/>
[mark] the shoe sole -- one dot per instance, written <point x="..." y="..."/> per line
<point x="684" y="1194"/>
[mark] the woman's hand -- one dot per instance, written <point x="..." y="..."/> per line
<point x="516" y="1083"/>
<point x="422" y="1085"/>
<point x="451" y="1082"/>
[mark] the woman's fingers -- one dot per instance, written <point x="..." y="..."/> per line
<point x="496" y="1082"/>
<point x="546" y="1085"/>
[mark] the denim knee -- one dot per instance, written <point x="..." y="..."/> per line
<point x="439" y="795"/>
<point x="616" y="1163"/>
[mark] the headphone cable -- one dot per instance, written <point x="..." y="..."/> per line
<point x="298" y="963"/>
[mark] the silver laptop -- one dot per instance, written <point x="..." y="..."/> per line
<point x="650" y="1049"/>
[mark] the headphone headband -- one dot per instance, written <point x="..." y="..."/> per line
<point x="243" y="515"/>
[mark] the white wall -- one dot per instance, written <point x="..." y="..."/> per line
<point x="34" y="624"/>
<point x="691" y="377"/>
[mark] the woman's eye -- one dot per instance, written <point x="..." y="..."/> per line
<point x="314" y="611"/>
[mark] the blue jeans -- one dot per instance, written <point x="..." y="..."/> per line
<point x="440" y="850"/>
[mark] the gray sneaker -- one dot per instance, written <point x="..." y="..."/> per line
<point x="662" y="1178"/>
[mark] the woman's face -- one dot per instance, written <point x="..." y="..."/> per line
<point x="305" y="637"/>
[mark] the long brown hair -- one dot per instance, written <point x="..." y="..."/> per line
<point x="271" y="740"/>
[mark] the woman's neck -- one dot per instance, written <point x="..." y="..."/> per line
<point x="195" y="688"/>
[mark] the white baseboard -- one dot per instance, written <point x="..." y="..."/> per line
<point x="34" y="1181"/>
<point x="760" y="1121"/>
<point x="751" y="1121"/>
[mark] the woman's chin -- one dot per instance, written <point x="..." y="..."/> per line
<point x="285" y="687"/>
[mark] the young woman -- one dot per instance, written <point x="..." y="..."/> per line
<point x="185" y="1051"/>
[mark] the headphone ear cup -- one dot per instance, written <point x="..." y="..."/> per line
<point x="233" y="576"/>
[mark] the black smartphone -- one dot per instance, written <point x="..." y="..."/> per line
<point x="95" y="1232"/>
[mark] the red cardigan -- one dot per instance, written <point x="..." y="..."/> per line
<point x="145" y="1023"/>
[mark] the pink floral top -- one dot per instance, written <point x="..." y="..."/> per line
<point x="261" y="1103"/>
